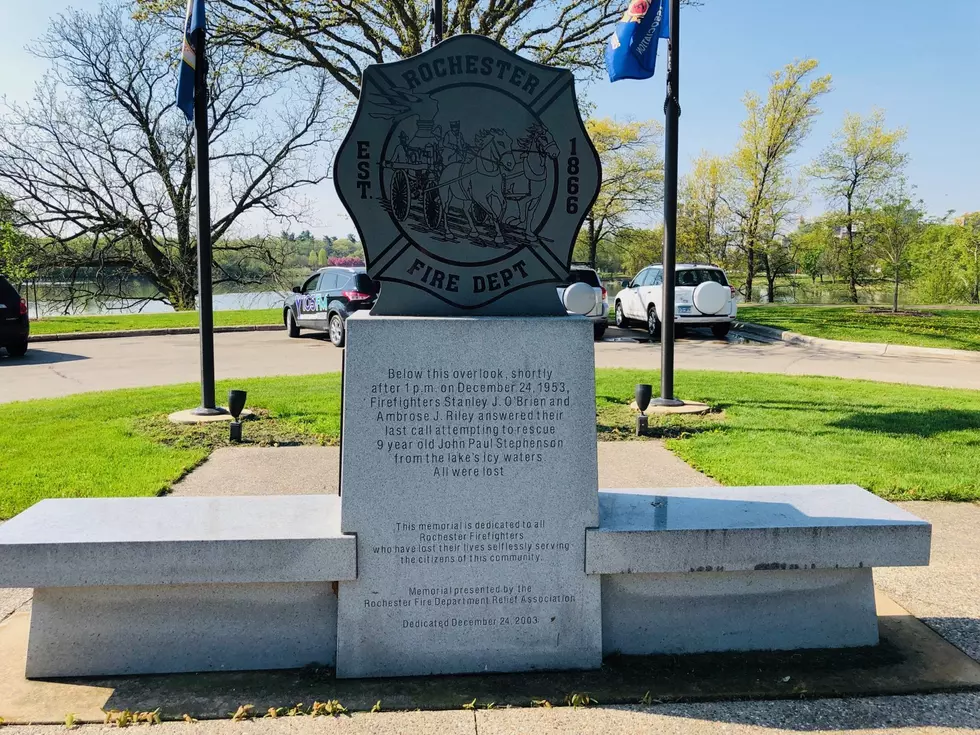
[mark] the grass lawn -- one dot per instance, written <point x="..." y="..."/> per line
<point x="959" y="329"/>
<point x="114" y="322"/>
<point x="900" y="441"/>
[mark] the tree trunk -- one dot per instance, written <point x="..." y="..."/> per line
<point x="852" y="265"/>
<point x="182" y="296"/>
<point x="975" y="296"/>
<point x="771" y="289"/>
<point x="593" y="244"/>
<point x="749" y="271"/>
<point x="895" y="295"/>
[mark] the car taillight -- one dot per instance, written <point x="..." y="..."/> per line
<point x="23" y="307"/>
<point x="356" y="296"/>
<point x="732" y="290"/>
<point x="603" y="293"/>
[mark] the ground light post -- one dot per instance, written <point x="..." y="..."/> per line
<point x="672" y="110"/>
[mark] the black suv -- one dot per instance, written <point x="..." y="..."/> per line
<point x="326" y="299"/>
<point x="14" y="325"/>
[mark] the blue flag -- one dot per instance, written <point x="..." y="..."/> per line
<point x="188" y="59"/>
<point x="632" y="50"/>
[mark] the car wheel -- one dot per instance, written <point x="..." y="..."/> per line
<point x="653" y="324"/>
<point x="721" y="330"/>
<point x="291" y="325"/>
<point x="17" y="349"/>
<point x="621" y="320"/>
<point x="337" y="331"/>
<point x="598" y="330"/>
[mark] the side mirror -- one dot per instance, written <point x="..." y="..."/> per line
<point x="297" y="289"/>
<point x="624" y="284"/>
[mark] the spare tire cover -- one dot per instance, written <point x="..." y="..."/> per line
<point x="711" y="297"/>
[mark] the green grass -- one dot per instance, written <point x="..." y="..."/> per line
<point x="959" y="329"/>
<point x="114" y="322"/>
<point x="900" y="441"/>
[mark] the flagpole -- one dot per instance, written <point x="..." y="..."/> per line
<point x="672" y="109"/>
<point x="202" y="166"/>
<point x="437" y="22"/>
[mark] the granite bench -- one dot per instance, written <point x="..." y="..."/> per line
<point x="155" y="585"/>
<point x="691" y="570"/>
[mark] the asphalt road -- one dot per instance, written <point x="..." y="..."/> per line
<point x="61" y="368"/>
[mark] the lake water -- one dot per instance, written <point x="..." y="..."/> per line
<point x="222" y="302"/>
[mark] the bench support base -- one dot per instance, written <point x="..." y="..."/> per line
<point x="99" y="631"/>
<point x="738" y="611"/>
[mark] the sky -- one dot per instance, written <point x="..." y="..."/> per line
<point x="917" y="60"/>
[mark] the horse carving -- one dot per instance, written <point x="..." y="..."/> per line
<point x="478" y="180"/>
<point x="536" y="148"/>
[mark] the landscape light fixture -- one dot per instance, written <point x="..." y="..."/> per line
<point x="643" y="394"/>
<point x="236" y="402"/>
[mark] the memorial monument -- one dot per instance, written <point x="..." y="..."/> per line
<point x="471" y="534"/>
<point x="469" y="459"/>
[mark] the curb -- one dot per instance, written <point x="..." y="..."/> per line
<point x="879" y="349"/>
<point x="67" y="336"/>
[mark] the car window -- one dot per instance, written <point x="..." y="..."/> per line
<point x="328" y="281"/>
<point x="583" y="276"/>
<point x="640" y="278"/>
<point x="344" y="281"/>
<point x="8" y="294"/>
<point x="310" y="284"/>
<point x="364" y="284"/>
<point x="697" y="276"/>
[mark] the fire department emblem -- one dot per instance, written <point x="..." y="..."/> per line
<point x="467" y="171"/>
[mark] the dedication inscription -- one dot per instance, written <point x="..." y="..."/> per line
<point x="475" y="481"/>
<point x="468" y="172"/>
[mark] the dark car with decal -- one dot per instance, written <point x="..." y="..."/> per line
<point x="14" y="326"/>
<point x="326" y="299"/>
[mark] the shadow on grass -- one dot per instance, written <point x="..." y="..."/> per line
<point x="925" y="424"/>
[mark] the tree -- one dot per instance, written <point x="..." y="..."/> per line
<point x="312" y="259"/>
<point x="810" y="243"/>
<point x="773" y="130"/>
<point x="895" y="224"/>
<point x="862" y="159"/>
<point x="342" y="37"/>
<point x="321" y="257"/>
<point x="971" y="225"/>
<point x="101" y="164"/>
<point x="17" y="261"/>
<point x="632" y="178"/>
<point x="703" y="218"/>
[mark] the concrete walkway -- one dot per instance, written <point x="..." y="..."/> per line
<point x="63" y="368"/>
<point x="944" y="595"/>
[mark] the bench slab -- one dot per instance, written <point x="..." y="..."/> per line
<point x="751" y="528"/>
<point x="158" y="541"/>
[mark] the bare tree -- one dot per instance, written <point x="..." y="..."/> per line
<point x="100" y="165"/>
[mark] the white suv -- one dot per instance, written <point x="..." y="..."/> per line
<point x="702" y="298"/>
<point x="582" y="273"/>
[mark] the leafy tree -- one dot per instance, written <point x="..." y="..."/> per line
<point x="305" y="236"/>
<point x="321" y="257"/>
<point x="703" y="218"/>
<point x="773" y="130"/>
<point x="312" y="259"/>
<point x="810" y="244"/>
<point x="893" y="227"/>
<point x="971" y="227"/>
<point x="862" y="159"/>
<point x="17" y="260"/>
<point x="101" y="164"/>
<point x="632" y="178"/>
